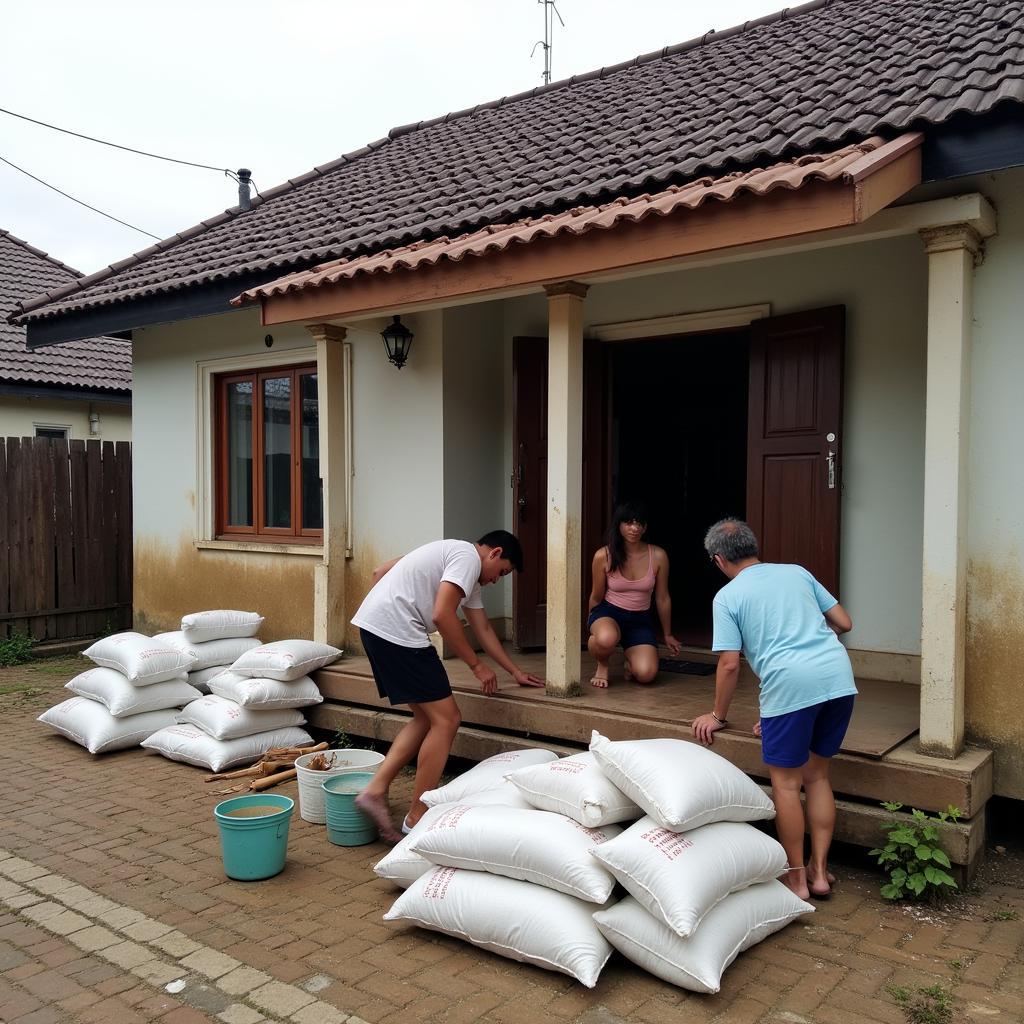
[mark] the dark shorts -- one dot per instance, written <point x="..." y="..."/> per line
<point x="635" y="628"/>
<point x="405" y="675"/>
<point x="787" y="741"/>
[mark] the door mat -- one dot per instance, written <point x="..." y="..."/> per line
<point x="686" y="668"/>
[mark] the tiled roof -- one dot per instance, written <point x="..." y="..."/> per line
<point x="93" y="363"/>
<point x="850" y="163"/>
<point x="823" y="74"/>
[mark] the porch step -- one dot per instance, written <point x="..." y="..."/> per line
<point x="856" y="823"/>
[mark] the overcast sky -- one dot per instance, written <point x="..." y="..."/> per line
<point x="275" y="85"/>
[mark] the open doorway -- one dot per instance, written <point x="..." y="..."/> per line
<point x="679" y="442"/>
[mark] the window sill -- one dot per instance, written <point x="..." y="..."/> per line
<point x="261" y="547"/>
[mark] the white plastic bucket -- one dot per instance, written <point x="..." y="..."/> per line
<point x="311" y="794"/>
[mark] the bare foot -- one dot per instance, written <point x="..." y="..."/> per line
<point x="795" y="879"/>
<point x="819" y="885"/>
<point x="600" y="677"/>
<point x="376" y="809"/>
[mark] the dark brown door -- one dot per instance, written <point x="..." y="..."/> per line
<point x="794" y="442"/>
<point x="530" y="472"/>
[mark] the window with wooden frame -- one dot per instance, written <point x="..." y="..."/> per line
<point x="267" y="448"/>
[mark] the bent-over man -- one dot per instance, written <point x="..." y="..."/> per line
<point x="411" y="597"/>
<point x="787" y="625"/>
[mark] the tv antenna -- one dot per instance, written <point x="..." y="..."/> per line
<point x="550" y="13"/>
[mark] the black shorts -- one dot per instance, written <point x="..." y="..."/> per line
<point x="405" y="675"/>
<point x="635" y="628"/>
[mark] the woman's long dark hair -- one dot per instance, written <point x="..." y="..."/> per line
<point x="625" y="512"/>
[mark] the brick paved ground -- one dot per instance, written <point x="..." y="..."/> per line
<point x="111" y="890"/>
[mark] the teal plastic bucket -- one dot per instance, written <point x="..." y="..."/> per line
<point x="252" y="844"/>
<point x="346" y="824"/>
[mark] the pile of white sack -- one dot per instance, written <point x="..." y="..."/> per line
<point x="253" y="706"/>
<point x="136" y="689"/>
<point x="215" y="639"/>
<point x="521" y="856"/>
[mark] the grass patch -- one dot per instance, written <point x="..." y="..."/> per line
<point x="932" y="1004"/>
<point x="1005" y="915"/>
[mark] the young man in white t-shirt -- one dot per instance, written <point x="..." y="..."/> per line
<point x="412" y="596"/>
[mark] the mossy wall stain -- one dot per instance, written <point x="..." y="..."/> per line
<point x="171" y="581"/>
<point x="995" y="666"/>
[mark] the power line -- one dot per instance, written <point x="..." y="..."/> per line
<point x="103" y="142"/>
<point x="110" y="216"/>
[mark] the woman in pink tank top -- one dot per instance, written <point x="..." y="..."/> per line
<point x="627" y="573"/>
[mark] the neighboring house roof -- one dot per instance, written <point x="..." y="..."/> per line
<point x="91" y="364"/>
<point x="850" y="163"/>
<point x="823" y="74"/>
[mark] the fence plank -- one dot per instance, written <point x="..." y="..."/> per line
<point x="16" y="525"/>
<point x="5" y="541"/>
<point x="125" y="539"/>
<point x="80" y="531"/>
<point x="94" y="532"/>
<point x="67" y="591"/>
<point x="108" y="543"/>
<point x="45" y="559"/>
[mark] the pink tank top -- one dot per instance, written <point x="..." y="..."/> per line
<point x="631" y="595"/>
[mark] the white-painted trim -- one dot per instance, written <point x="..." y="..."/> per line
<point x="681" y="323"/>
<point x="206" y="369"/>
<point x="263" y="548"/>
<point x="350" y="466"/>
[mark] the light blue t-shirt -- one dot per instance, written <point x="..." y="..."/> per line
<point x="774" y="614"/>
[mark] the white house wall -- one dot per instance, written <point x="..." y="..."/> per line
<point x="19" y="417"/>
<point x="883" y="287"/>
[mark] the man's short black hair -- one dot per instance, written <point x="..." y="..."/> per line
<point x="509" y="544"/>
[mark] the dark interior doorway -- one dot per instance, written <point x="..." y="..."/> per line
<point x="679" y="443"/>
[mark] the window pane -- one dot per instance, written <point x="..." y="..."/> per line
<point x="239" y="453"/>
<point x="277" y="451"/>
<point x="312" y="493"/>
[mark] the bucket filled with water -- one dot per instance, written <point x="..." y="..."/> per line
<point x="346" y="824"/>
<point x="254" y="835"/>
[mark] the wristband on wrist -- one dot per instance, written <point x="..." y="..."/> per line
<point x="720" y="721"/>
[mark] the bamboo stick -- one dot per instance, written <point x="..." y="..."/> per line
<point x="273" y="780"/>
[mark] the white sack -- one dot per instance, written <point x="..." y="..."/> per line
<point x="89" y="724"/>
<point x="193" y="746"/>
<point x="210" y="653"/>
<point x="266" y="693"/>
<point x="679" y="876"/>
<point x="680" y="784"/>
<point x="486" y="775"/>
<point x="402" y="865"/>
<point x="515" y="919"/>
<point x="223" y="719"/>
<point x="141" y="658"/>
<point x="221" y="624"/>
<point x="200" y="678"/>
<point x="534" y="846"/>
<point x="285" y="659"/>
<point x="575" y="786"/>
<point x="121" y="697"/>
<point x="698" y="963"/>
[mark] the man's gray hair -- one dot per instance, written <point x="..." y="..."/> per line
<point x="732" y="539"/>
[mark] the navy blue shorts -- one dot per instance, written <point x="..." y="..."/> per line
<point x="405" y="675"/>
<point x="787" y="741"/>
<point x="635" y="628"/>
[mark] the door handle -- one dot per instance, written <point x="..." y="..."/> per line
<point x="831" y="469"/>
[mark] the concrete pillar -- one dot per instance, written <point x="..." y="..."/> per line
<point x="952" y="251"/>
<point x="329" y="623"/>
<point x="565" y="485"/>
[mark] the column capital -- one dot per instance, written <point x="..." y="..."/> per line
<point x="327" y="332"/>
<point x="950" y="237"/>
<point x="575" y="288"/>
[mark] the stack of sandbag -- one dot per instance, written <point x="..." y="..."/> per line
<point x="515" y="880"/>
<point x="703" y="883"/>
<point x="252" y="707"/>
<point x="136" y="689"/>
<point x="216" y="638"/>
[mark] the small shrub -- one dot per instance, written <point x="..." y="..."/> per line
<point x="1006" y="915"/>
<point x="15" y="649"/>
<point x="913" y="857"/>
<point x="930" y="1005"/>
<point x="341" y="740"/>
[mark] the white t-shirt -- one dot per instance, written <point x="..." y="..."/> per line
<point x="400" y="608"/>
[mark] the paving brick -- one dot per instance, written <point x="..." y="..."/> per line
<point x="242" y="980"/>
<point x="237" y="1013"/>
<point x="210" y="963"/>
<point x="319" y="1013"/>
<point x="279" y="998"/>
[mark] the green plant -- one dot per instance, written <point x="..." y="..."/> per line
<point x="913" y="857"/>
<point x="1006" y="915"/>
<point x="15" y="649"/>
<point x="930" y="1005"/>
<point x="341" y="740"/>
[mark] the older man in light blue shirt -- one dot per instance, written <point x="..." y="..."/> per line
<point x="786" y="624"/>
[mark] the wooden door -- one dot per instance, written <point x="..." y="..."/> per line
<point x="794" y="440"/>
<point x="529" y="478"/>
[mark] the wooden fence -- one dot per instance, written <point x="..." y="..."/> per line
<point x="65" y="537"/>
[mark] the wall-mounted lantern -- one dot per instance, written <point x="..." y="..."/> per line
<point x="397" y="341"/>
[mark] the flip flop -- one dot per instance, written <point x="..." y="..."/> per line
<point x="406" y="827"/>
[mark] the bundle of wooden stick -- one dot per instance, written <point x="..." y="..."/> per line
<point x="276" y="766"/>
